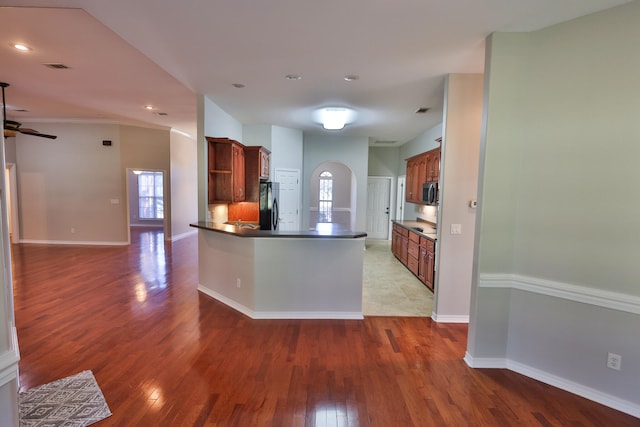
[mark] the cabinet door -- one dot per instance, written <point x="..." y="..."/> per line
<point x="429" y="269"/>
<point x="422" y="175"/>
<point x="412" y="179"/>
<point x="264" y="164"/>
<point x="404" y="247"/>
<point x="433" y="167"/>
<point x="238" y="173"/>
<point x="422" y="264"/>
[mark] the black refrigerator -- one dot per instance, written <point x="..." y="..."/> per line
<point x="269" y="205"/>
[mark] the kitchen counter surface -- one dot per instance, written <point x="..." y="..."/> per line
<point x="245" y="230"/>
<point x="428" y="230"/>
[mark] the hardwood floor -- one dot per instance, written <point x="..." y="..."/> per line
<point x="166" y="355"/>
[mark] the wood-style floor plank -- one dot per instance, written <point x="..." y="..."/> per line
<point x="166" y="355"/>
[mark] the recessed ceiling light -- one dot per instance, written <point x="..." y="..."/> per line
<point x="351" y="77"/>
<point x="149" y="107"/>
<point x="238" y="85"/>
<point x="293" y="77"/>
<point x="21" y="47"/>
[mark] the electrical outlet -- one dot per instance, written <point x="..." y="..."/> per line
<point x="614" y="361"/>
<point x="238" y="283"/>
<point x="73" y="230"/>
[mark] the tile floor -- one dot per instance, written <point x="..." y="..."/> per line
<point x="389" y="288"/>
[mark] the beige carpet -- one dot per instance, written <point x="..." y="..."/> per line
<point x="389" y="288"/>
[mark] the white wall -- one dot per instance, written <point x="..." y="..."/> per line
<point x="287" y="149"/>
<point x="69" y="183"/>
<point x="184" y="185"/>
<point x="557" y="278"/>
<point x="458" y="186"/>
<point x="351" y="151"/>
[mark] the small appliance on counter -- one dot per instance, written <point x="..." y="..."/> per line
<point x="269" y="192"/>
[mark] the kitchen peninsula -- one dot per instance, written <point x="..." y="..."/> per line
<point x="271" y="274"/>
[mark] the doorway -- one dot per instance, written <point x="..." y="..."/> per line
<point x="289" y="199"/>
<point x="378" y="207"/>
<point x="146" y="196"/>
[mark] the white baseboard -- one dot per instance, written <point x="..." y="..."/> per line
<point x="556" y="381"/>
<point x="73" y="242"/>
<point x="449" y="319"/>
<point x="280" y="314"/>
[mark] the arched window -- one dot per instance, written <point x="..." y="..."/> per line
<point x="325" y="198"/>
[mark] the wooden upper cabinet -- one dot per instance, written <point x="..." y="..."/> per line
<point x="424" y="167"/>
<point x="257" y="165"/>
<point x="238" y="173"/>
<point x="225" y="170"/>
<point x="433" y="165"/>
<point x="416" y="171"/>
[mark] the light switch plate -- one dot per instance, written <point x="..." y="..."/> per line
<point x="456" y="228"/>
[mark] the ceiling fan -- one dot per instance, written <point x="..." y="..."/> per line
<point x="12" y="127"/>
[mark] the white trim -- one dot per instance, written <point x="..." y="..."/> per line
<point x="9" y="367"/>
<point x="323" y="315"/>
<point x="556" y="381"/>
<point x="450" y="318"/>
<point x="73" y="242"/>
<point x="334" y="315"/>
<point x="183" y="235"/>
<point x="583" y="294"/>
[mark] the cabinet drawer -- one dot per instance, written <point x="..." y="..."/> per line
<point x="428" y="243"/>
<point x="412" y="264"/>
<point x="413" y="249"/>
<point x="403" y="231"/>
<point x="414" y="237"/>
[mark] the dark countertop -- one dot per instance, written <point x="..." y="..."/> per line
<point x="428" y="229"/>
<point x="240" y="231"/>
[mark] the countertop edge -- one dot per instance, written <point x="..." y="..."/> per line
<point x="409" y="225"/>
<point x="251" y="232"/>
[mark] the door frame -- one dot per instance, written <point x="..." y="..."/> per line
<point x="400" y="197"/>
<point x="389" y="202"/>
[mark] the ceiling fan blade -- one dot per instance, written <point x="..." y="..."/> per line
<point x="34" y="132"/>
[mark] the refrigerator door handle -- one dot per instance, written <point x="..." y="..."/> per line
<point x="276" y="214"/>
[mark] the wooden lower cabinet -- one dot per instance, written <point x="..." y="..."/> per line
<point x="416" y="252"/>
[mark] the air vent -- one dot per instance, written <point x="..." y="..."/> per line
<point x="422" y="110"/>
<point x="21" y="110"/>
<point x="385" y="142"/>
<point x="162" y="114"/>
<point x="56" y="66"/>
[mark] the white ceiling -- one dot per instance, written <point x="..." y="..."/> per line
<point x="126" y="54"/>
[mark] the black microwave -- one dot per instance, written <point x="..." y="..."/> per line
<point x="430" y="193"/>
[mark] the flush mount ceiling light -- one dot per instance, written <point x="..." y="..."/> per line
<point x="293" y="77"/>
<point x="21" y="47"/>
<point x="351" y="77"/>
<point x="334" y="118"/>
<point x="149" y="107"/>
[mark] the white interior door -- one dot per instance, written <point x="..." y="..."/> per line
<point x="288" y="199"/>
<point x="378" y="205"/>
